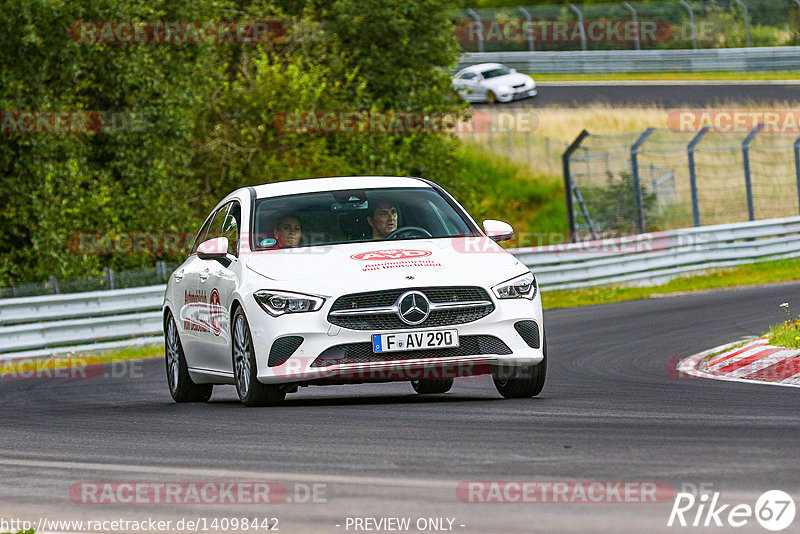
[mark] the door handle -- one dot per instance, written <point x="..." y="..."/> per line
<point x="179" y="275"/>
<point x="204" y="275"/>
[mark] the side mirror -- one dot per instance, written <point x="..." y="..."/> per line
<point x="214" y="249"/>
<point x="498" y="231"/>
<point x="513" y="71"/>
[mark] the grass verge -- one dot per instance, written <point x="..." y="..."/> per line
<point x="41" y="366"/>
<point x="745" y="275"/>
<point x="531" y="201"/>
<point x="668" y="76"/>
<point x="787" y="333"/>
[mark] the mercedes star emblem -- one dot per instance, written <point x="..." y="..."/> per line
<point x="413" y="307"/>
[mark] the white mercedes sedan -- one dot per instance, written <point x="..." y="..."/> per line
<point x="350" y="280"/>
<point x="492" y="83"/>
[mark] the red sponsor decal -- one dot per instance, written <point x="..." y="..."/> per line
<point x="216" y="316"/>
<point x="391" y="254"/>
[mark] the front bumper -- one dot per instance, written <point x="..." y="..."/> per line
<point x="318" y="335"/>
<point x="518" y="95"/>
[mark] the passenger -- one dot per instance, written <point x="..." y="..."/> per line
<point x="288" y="232"/>
<point x="383" y="220"/>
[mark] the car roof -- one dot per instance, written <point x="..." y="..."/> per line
<point x="312" y="185"/>
<point x="481" y="66"/>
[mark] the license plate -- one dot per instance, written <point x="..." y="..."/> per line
<point x="421" y="340"/>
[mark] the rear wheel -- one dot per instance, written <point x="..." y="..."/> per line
<point x="180" y="383"/>
<point x="430" y="387"/>
<point x="251" y="391"/>
<point x="522" y="382"/>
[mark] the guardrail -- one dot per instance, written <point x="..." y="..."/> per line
<point x="783" y="58"/>
<point x="656" y="257"/>
<point x="40" y="326"/>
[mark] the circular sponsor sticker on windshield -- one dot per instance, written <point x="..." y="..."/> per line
<point x="268" y="243"/>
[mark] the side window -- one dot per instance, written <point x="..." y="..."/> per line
<point x="215" y="230"/>
<point x="201" y="235"/>
<point x="468" y="76"/>
<point x="230" y="228"/>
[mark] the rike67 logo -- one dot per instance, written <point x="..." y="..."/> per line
<point x="774" y="510"/>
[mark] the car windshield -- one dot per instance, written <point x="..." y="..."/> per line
<point x="350" y="216"/>
<point x="494" y="73"/>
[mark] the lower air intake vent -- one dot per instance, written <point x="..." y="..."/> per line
<point x="529" y="331"/>
<point x="282" y="349"/>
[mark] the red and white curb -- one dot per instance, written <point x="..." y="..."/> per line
<point x="755" y="362"/>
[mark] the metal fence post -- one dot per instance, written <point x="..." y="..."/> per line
<point x="746" y="22"/>
<point x="108" y="272"/>
<point x="797" y="163"/>
<point x="635" y="19"/>
<point x="54" y="284"/>
<point x="568" y="181"/>
<point x="479" y="25"/>
<point x="685" y="4"/>
<point x="580" y="22"/>
<point x="529" y="32"/>
<point x="693" y="174"/>
<point x="161" y="270"/>
<point x="637" y="186"/>
<point x="751" y="210"/>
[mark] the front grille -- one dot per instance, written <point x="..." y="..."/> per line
<point x="362" y="352"/>
<point x="529" y="331"/>
<point x="437" y="295"/>
<point x="282" y="349"/>
<point x="519" y="86"/>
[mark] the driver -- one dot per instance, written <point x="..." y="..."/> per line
<point x="383" y="220"/>
<point x="288" y="232"/>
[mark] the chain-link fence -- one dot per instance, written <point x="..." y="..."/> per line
<point x="659" y="179"/>
<point x="674" y="24"/>
<point x="110" y="279"/>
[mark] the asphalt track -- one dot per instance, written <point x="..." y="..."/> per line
<point x="664" y="94"/>
<point x="611" y="411"/>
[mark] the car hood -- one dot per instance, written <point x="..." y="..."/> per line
<point x="371" y="266"/>
<point x="512" y="79"/>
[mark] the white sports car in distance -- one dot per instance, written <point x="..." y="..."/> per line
<point x="349" y="280"/>
<point x="492" y="83"/>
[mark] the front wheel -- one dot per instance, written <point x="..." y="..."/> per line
<point x="522" y="382"/>
<point x="180" y="383"/>
<point x="491" y="97"/>
<point x="251" y="391"/>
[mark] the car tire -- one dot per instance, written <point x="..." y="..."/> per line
<point x="491" y="97"/>
<point x="526" y="382"/>
<point x="245" y="370"/>
<point x="180" y="383"/>
<point x="431" y="387"/>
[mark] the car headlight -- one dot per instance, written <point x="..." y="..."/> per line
<point x="278" y="303"/>
<point x="521" y="287"/>
<point x="504" y="88"/>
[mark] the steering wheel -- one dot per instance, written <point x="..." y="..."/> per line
<point x="410" y="230"/>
